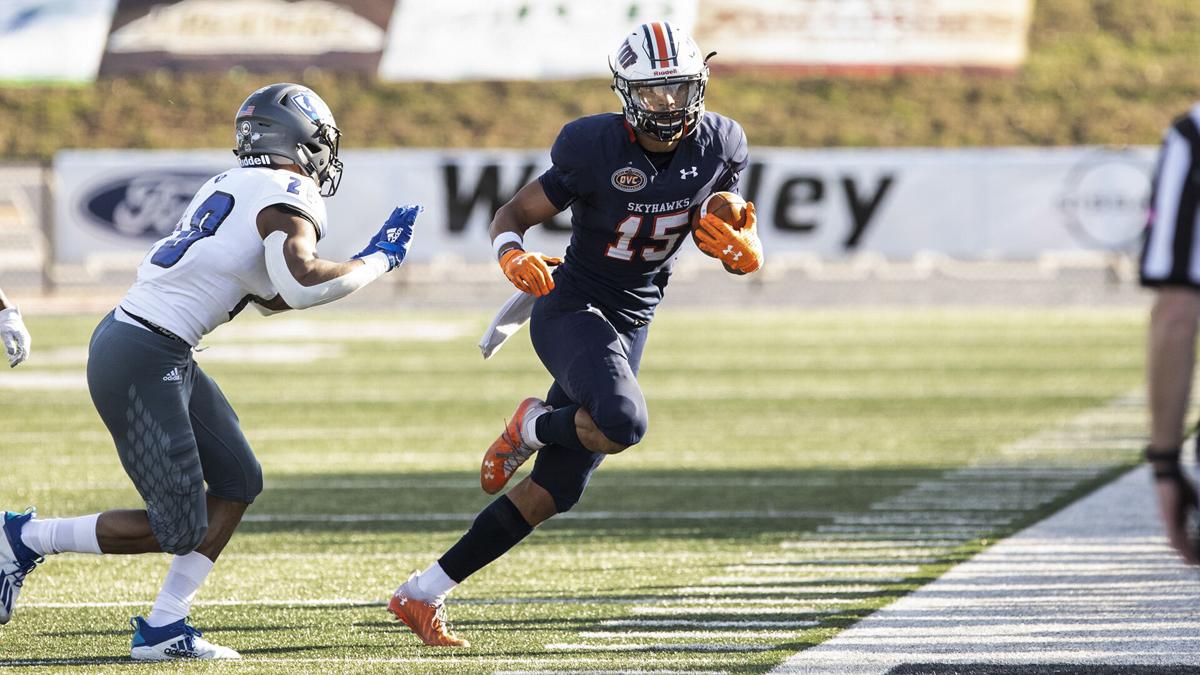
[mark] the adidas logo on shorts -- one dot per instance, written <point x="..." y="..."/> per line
<point x="173" y="376"/>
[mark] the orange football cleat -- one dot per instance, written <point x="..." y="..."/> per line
<point x="426" y="620"/>
<point x="510" y="451"/>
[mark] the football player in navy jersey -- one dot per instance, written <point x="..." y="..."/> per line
<point x="631" y="181"/>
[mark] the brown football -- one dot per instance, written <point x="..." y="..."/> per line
<point x="727" y="206"/>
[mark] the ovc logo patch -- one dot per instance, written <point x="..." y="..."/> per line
<point x="629" y="179"/>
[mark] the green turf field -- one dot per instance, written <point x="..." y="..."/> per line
<point x="802" y="468"/>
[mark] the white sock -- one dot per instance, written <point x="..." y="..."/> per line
<point x="433" y="584"/>
<point x="529" y="430"/>
<point x="185" y="577"/>
<point x="60" y="535"/>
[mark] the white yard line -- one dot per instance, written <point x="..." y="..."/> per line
<point x="1094" y="584"/>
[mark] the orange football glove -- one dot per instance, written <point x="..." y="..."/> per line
<point x="739" y="250"/>
<point x="529" y="272"/>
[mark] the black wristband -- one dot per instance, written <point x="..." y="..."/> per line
<point x="1164" y="462"/>
<point x="508" y="247"/>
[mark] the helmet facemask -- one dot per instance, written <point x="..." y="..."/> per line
<point x="666" y="109"/>
<point x="323" y="147"/>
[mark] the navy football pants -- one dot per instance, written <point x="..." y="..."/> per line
<point x="173" y="428"/>
<point x="595" y="365"/>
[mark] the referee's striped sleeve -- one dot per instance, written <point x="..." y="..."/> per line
<point x="1170" y="256"/>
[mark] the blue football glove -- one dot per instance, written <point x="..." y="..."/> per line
<point x="394" y="238"/>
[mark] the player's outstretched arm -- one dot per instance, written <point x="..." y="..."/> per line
<point x="529" y="271"/>
<point x="13" y="333"/>
<point x="304" y="280"/>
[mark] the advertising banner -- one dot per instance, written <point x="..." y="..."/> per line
<point x="987" y="203"/>
<point x="515" y="39"/>
<point x="35" y="35"/>
<point x="258" y="35"/>
<point x="866" y="33"/>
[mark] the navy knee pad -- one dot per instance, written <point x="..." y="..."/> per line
<point x="564" y="473"/>
<point x="622" y="419"/>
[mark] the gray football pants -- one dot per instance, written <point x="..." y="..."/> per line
<point x="173" y="428"/>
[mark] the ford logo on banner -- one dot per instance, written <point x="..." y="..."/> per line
<point x="143" y="206"/>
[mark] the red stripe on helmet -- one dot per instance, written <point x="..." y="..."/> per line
<point x="660" y="40"/>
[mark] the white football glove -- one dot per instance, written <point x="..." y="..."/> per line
<point x="14" y="336"/>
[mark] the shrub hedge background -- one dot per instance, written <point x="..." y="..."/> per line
<point x="1098" y="72"/>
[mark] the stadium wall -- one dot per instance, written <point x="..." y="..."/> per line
<point x="967" y="204"/>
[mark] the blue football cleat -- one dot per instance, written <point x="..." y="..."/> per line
<point x="16" y="561"/>
<point x="173" y="641"/>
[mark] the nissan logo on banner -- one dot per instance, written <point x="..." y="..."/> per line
<point x="143" y="206"/>
<point x="1105" y="199"/>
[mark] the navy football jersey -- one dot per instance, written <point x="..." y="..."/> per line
<point x="628" y="218"/>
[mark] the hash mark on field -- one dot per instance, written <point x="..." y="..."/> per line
<point x="681" y="647"/>
<point x="694" y="623"/>
<point x="792" y="590"/>
<point x="800" y="579"/>
<point x="702" y="610"/>
<point x="686" y="634"/>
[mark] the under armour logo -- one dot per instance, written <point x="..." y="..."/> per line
<point x="728" y="250"/>
<point x="684" y="173"/>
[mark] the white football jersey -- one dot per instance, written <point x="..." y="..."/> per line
<point x="196" y="278"/>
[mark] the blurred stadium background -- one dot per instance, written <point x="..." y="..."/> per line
<point x="951" y="194"/>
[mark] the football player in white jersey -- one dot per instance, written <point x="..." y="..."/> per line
<point x="248" y="236"/>
<point x="13" y="334"/>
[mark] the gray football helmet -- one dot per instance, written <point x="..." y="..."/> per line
<point x="289" y="121"/>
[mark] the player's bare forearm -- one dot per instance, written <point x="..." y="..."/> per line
<point x="1170" y="363"/>
<point x="300" y="247"/>
<point x="527" y="208"/>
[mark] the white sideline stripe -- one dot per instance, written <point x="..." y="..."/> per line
<point x="570" y="515"/>
<point x="680" y="647"/>
<point x="687" y="634"/>
<point x="999" y="609"/>
<point x="703" y="610"/>
<point x="693" y="623"/>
